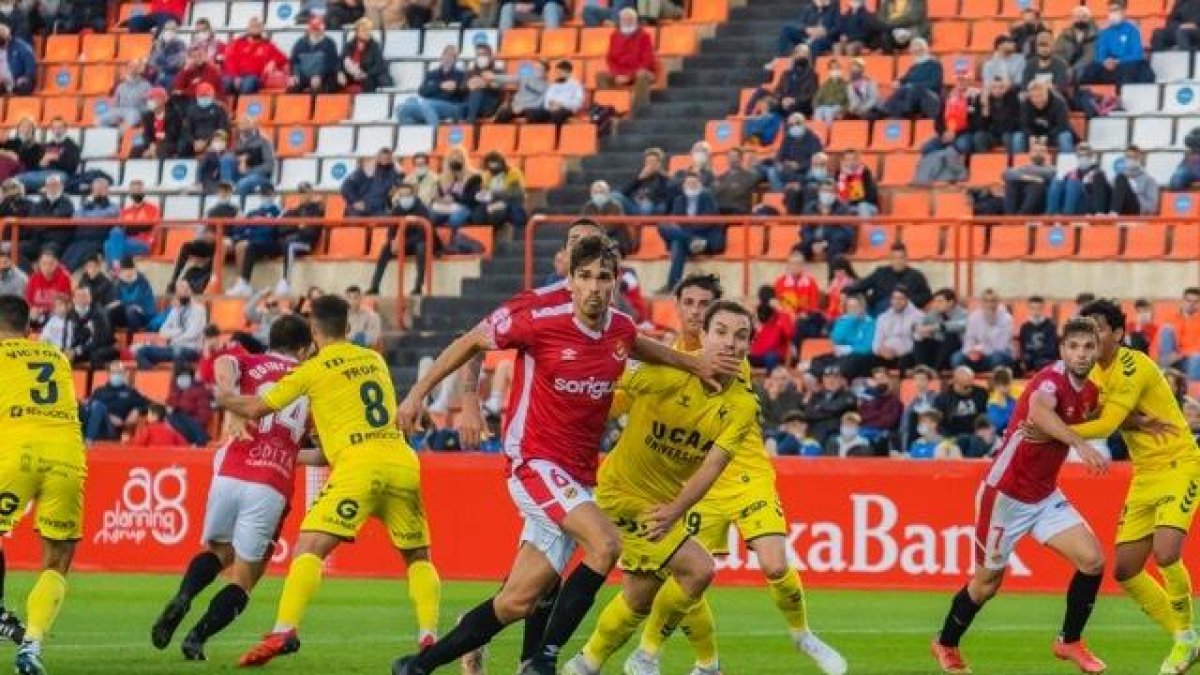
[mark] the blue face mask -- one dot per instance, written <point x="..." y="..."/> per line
<point x="818" y="173"/>
<point x="117" y="379"/>
<point x="795" y="132"/>
<point x="204" y="102"/>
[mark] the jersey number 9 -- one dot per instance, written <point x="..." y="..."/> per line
<point x="48" y="395"/>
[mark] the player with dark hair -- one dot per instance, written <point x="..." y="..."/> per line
<point x="374" y="472"/>
<point x="1020" y="496"/>
<point x="248" y="498"/>
<point x="44" y="461"/>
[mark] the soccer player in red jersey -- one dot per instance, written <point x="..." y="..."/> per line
<point x="572" y="356"/>
<point x="1020" y="496"/>
<point x="249" y="495"/>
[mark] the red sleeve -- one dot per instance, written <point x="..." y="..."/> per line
<point x="515" y="331"/>
<point x="614" y="48"/>
<point x="277" y="57"/>
<point x="646" y="57"/>
<point x="141" y="436"/>
<point x="813" y="301"/>
<point x="31" y="289"/>
<point x="63" y="282"/>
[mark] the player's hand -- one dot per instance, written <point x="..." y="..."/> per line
<point x="660" y="521"/>
<point x="235" y="426"/>
<point x="1096" y="462"/>
<point x="470" y="425"/>
<point x="1032" y="433"/>
<point x="1160" y="430"/>
<point x="410" y="413"/>
<point x="724" y="365"/>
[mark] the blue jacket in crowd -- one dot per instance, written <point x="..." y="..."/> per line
<point x="21" y="61"/>
<point x="857" y="333"/>
<point x="137" y="294"/>
<point x="310" y="59"/>
<point x="799" y="150"/>
<point x="827" y="17"/>
<point x="926" y="75"/>
<point x="1122" y="42"/>
<point x="431" y="86"/>
<point x="857" y="25"/>
<point x="372" y="190"/>
<point x="258" y="233"/>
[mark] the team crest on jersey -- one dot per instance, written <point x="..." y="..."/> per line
<point x="620" y="352"/>
<point x="569" y="354"/>
<point x="684" y="401"/>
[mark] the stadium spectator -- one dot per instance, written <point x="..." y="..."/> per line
<point x="442" y="94"/>
<point x="1135" y="191"/>
<point x="919" y="91"/>
<point x="252" y="243"/>
<point x="1141" y="330"/>
<point x="94" y="344"/>
<point x="959" y="405"/>
<point x="424" y="179"/>
<point x="797" y="294"/>
<point x="160" y="125"/>
<point x="208" y="164"/>
<point x="601" y="201"/>
<point x="763" y="120"/>
<point x="832" y="97"/>
<point x="797" y="88"/>
<point x="262" y="310"/>
<point x="1001" y="402"/>
<point x="825" y="241"/>
<point x="457" y="187"/>
<point x="205" y="40"/>
<point x="363" y="68"/>
<point x="792" y="438"/>
<point x="630" y="59"/>
<point x="167" y="56"/>
<point x="856" y="186"/>
<point x="1179" y="337"/>
<point x="1188" y="172"/>
<point x="825" y="408"/>
<point x="528" y="100"/>
<point x="598" y="12"/>
<point x="817" y="26"/>
<point x="841" y="275"/>
<point x="367" y="189"/>
<point x="463" y="12"/>
<point x="366" y="329"/>
<point x="58" y="155"/>
<point x="214" y="347"/>
<point x="22" y="151"/>
<point x="314" y="61"/>
<point x="250" y="164"/>
<point x="700" y="164"/>
<point x="13" y="281"/>
<point x="928" y="443"/>
<point x="300" y="239"/>
<point x="905" y="22"/>
<point x="653" y="11"/>
<point x="182" y="331"/>
<point x="198" y="69"/>
<point x="114" y="409"/>
<point x="895" y="331"/>
<point x="1045" y="65"/>
<point x="1006" y="62"/>
<point x="20" y="76"/>
<point x="646" y="193"/>
<point x="405" y="203"/>
<point x="778" y="395"/>
<point x="863" y="92"/>
<point x="849" y="440"/>
<point x="736" y="188"/>
<point x="155" y="431"/>
<point x="1119" y="56"/>
<point x="987" y="342"/>
<point x="59" y="330"/>
<point x="1027" y="186"/>
<point x="500" y="201"/>
<point x="1182" y="30"/>
<point x="881" y="409"/>
<point x="159" y="14"/>
<point x="94" y="278"/>
<point x="563" y="98"/>
<point x="135" y="237"/>
<point x="128" y="98"/>
<point x="17" y="17"/>
<point x="853" y="338"/>
<point x="251" y="59"/>
<point x="1027" y="29"/>
<point x="1083" y="190"/>
<point x="133" y="307"/>
<point x="684" y="241"/>
<point x="1044" y="115"/>
<point x="484" y="84"/>
<point x="940" y="333"/>
<point x="952" y="128"/>
<point x="342" y="13"/>
<point x="203" y="117"/>
<point x="793" y="161"/>
<point x="191" y="405"/>
<point x="14" y="203"/>
<point x="921" y="401"/>
<point x="997" y="118"/>
<point x="1076" y="43"/>
<point x="89" y="240"/>
<point x="520" y="12"/>
<point x="859" y="29"/>
<point x="878" y="285"/>
<point x="54" y="204"/>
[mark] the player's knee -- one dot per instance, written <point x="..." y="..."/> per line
<point x="774" y="569"/>
<point x="697" y="579"/>
<point x="511" y="606"/>
<point x="604" y="553"/>
<point x="1092" y="563"/>
<point x="1123" y="571"/>
<point x="1166" y="557"/>
<point x="56" y="555"/>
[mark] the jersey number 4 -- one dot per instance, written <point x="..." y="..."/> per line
<point x="49" y="394"/>
<point x="294" y="418"/>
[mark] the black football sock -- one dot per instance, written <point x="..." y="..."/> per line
<point x="535" y="623"/>
<point x="476" y="629"/>
<point x="201" y="572"/>
<point x="1081" y="598"/>
<point x="576" y="598"/>
<point x="225" y="606"/>
<point x="962" y="612"/>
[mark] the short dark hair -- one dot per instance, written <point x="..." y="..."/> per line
<point x="331" y="315"/>
<point x="590" y="249"/>
<point x="946" y="294"/>
<point x="565" y="65"/>
<point x="1085" y="298"/>
<point x="1081" y="325"/>
<point x="1191" y="290"/>
<point x="1038" y="299"/>
<point x="1110" y="311"/>
<point x="727" y="306"/>
<point x="706" y="281"/>
<point x="982" y="422"/>
<point x="14" y="313"/>
<point x="899" y="247"/>
<point x="581" y="222"/>
<point x="1002" y="375"/>
<point x="290" y="333"/>
<point x="158" y="410"/>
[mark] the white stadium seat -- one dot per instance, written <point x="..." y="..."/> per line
<point x="282" y="14"/>
<point x="401" y="44"/>
<point x="1171" y="66"/>
<point x="372" y="108"/>
<point x="181" y="207"/>
<point x="1181" y="99"/>
<point x="333" y="141"/>
<point x="1110" y="162"/>
<point x="1138" y="99"/>
<point x="437" y="40"/>
<point x="252" y="202"/>
<point x="1160" y="165"/>
<point x="1066" y="162"/>
<point x="286" y="39"/>
<point x="298" y="170"/>
<point x="1108" y="133"/>
<point x="217" y="14"/>
<point x="178" y="174"/>
<point x="334" y="171"/>
<point x="100" y="143"/>
<point x="412" y="139"/>
<point x="371" y="139"/>
<point x="1184" y="126"/>
<point x="145" y="170"/>
<point x="407" y="75"/>
<point x="1153" y="133"/>
<point x="241" y="12"/>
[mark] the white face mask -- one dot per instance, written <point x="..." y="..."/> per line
<point x="925" y="429"/>
<point x="692" y="192"/>
<point x="849" y="430"/>
<point x="628" y="29"/>
<point x="1115" y="17"/>
<point x="700" y="157"/>
<point x="482" y="62"/>
<point x="167" y="36"/>
<point x="405" y="202"/>
<point x="183" y="382"/>
<point x="796" y="131"/>
<point x="600" y="198"/>
<point x="203" y="36"/>
<point x="217" y="146"/>
<point x="827" y="198"/>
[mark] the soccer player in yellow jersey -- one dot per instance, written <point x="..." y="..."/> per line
<point x="374" y="473"/>
<point x="1162" y="497"/>
<point x="678" y="439"/>
<point x="42" y="460"/>
<point x="744" y="496"/>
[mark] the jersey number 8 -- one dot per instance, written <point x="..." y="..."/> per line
<point x="372" y="398"/>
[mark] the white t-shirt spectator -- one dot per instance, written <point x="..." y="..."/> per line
<point x="568" y="94"/>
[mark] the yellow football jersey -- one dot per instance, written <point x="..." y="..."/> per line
<point x="352" y="398"/>
<point x="1134" y="383"/>
<point x="674" y="421"/>
<point x="37" y="401"/>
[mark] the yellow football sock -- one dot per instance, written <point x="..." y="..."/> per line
<point x="788" y="594"/>
<point x="302" y="580"/>
<point x="614" y="626"/>
<point x="1152" y="598"/>
<point x="698" y="624"/>
<point x="43" y="603"/>
<point x="700" y="628"/>
<point x="1178" y="585"/>
<point x="425" y="592"/>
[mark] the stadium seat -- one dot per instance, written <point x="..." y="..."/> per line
<point x="1160" y="165"/>
<point x="292" y="109"/>
<point x="1101" y="241"/>
<point x="453" y="135"/>
<point x="240" y="14"/>
<point x="412" y="139"/>
<point x="983" y="32"/>
<point x="951" y="36"/>
<point x="22" y="107"/>
<point x="407" y="76"/>
<point x="874" y="241"/>
<point x="1152" y="133"/>
<point x="891" y="135"/>
<point x="899" y="169"/>
<point x="519" y="43"/>
<point x="477" y="36"/>
<point x="943" y="9"/>
<point x="60" y="79"/>
<point x="723" y="135"/>
<point x="848" y="135"/>
<point x="987" y="168"/>
<point x="181" y="207"/>
<point x="1053" y="242"/>
<point x="593" y="42"/>
<point x="286" y="39"/>
<point x="111" y="167"/>
<point x="677" y="39"/>
<point x="257" y="106"/>
<point x="913" y="203"/>
<point x="61" y="49"/>
<point x="1140" y="99"/>
<point x="1109" y="133"/>
<point x="371" y="139"/>
<point x="99" y="143"/>
<point x="559" y="43"/>
<point x="437" y="39"/>
<point x="134" y="46"/>
<point x="1172" y="66"/>
<point x="372" y="108"/>
<point x="217" y="13"/>
<point x="295" y="140"/>
<point x="97" y="79"/>
<point x="293" y="172"/>
<point x="346" y="242"/>
<point x="499" y="137"/>
<point x="98" y="48"/>
<point x="66" y="107"/>
<point x="281" y="13"/>
<point x="334" y="171"/>
<point x="1181" y="99"/>
<point x="229" y="314"/>
<point x="331" y="108"/>
<point x="145" y="170"/>
<point x="1002" y="241"/>
<point x="1179" y="204"/>
<point x="577" y="140"/>
<point x="544" y="172"/>
<point x="537" y="139"/>
<point x="177" y="174"/>
<point x="334" y="140"/>
<point x="401" y="44"/>
<point x="1145" y="241"/>
<point x="951" y="204"/>
<point x="1185" y="242"/>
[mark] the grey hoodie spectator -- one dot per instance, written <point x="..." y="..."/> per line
<point x="167" y="56"/>
<point x="878" y="285"/>
<point x="1026" y="187"/>
<point x="939" y="336"/>
<point x="1135" y="192"/>
<point x="895" y="331"/>
<point x="12" y="280"/>
<point x="129" y="97"/>
<point x="1006" y="61"/>
<point x="368" y="188"/>
<point x="1076" y="44"/>
<point x="862" y="91"/>
<point x="987" y="343"/>
<point x="251" y="163"/>
<point x="202" y="119"/>
<point x="314" y="61"/>
<point x="182" y="332"/>
<point x="529" y="95"/>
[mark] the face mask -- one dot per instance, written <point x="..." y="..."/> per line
<point x="1086" y="162"/>
<point x="183" y="382"/>
<point x="117" y="379"/>
<point x="925" y="429"/>
<point x="835" y="74"/>
<point x="827" y="198"/>
<point x="1145" y="317"/>
<point x="1132" y="167"/>
<point x="420" y="170"/>
<point x="692" y="193"/>
<point x="217" y="146"/>
<point x="856" y="4"/>
<point x="138" y="199"/>
<point x="185" y="300"/>
<point x="151" y="105"/>
<point x="204" y="35"/>
<point x="802" y="62"/>
<point x="1081" y="25"/>
<point x="700" y="157"/>
<point x="849" y="430"/>
<point x="818" y="173"/>
<point x="856" y="74"/>
<point x="167" y="36"/>
<point x="204" y="101"/>
<point x="1039" y="160"/>
<point x="796" y="131"/>
<point x="482" y="62"/>
<point x="81" y="309"/>
<point x="455" y="165"/>
<point x="600" y="199"/>
<point x="628" y="30"/>
<point x="1115" y="17"/>
<point x="406" y="202"/>
<point x="495" y="168"/>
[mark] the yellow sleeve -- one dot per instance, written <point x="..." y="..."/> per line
<point x="626" y="391"/>
<point x="1121" y="395"/>
<point x="741" y="419"/>
<point x="291" y="386"/>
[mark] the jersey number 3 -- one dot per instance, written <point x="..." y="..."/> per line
<point x="49" y="394"/>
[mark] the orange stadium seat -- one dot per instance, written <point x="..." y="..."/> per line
<point x="899" y="168"/>
<point x="593" y="42"/>
<point x="559" y="43"/>
<point x="1054" y="242"/>
<point x="154" y="384"/>
<point x="722" y="135"/>
<point x="710" y="11"/>
<point x="536" y="139"/>
<point x="60" y="79"/>
<point x="257" y="106"/>
<point x="347" y="242"/>
<point x="292" y="109"/>
<point x="544" y="172"/>
<point x="1058" y="9"/>
<point x="678" y="39"/>
<point x="577" y="140"/>
<point x="454" y="135"/>
<point x="951" y="36"/>
<point x="499" y="137"/>
<point x="1145" y="8"/>
<point x="174" y="240"/>
<point x="848" y="135"/>
<point x="519" y="43"/>
<point x="664" y="315"/>
<point x="1182" y="204"/>
<point x="331" y="108"/>
<point x="1185" y="243"/>
<point x="295" y="140"/>
<point x="910" y="203"/>
<point x="620" y="99"/>
<point x="227" y="313"/>
<point x="984" y="33"/>
<point x="742" y="239"/>
<point x="98" y="79"/>
<point x="1007" y="241"/>
<point x="980" y="9"/>
<point x="891" y="135"/>
<point x="951" y="204"/>
<point x="943" y="9"/>
<point x="98" y="47"/>
<point x="875" y="241"/>
<point x="987" y="168"/>
<point x="1099" y="242"/>
<point x="651" y="246"/>
<point x="781" y="239"/>
<point x="1145" y="241"/>
<point x="61" y="49"/>
<point x="923" y="239"/>
<point x="21" y="107"/>
<point x="66" y="107"/>
<point x="134" y="46"/>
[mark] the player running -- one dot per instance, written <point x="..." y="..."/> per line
<point x="249" y="495"/>
<point x="572" y="356"/>
<point x="44" y="461"/>
<point x="745" y="497"/>
<point x="678" y="440"/>
<point x="1020" y="496"/>
<point x="1160" y="504"/>
<point x="374" y="473"/>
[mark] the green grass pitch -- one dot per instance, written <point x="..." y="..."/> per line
<point x="359" y="626"/>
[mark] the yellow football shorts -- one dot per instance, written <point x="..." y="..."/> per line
<point x="757" y="512"/>
<point x="1167" y="498"/>
<point x="638" y="554"/>
<point x="361" y="488"/>
<point x="54" y="477"/>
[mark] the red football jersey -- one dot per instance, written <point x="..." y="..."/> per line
<point x="268" y="456"/>
<point x="1028" y="470"/>
<point x="568" y="375"/>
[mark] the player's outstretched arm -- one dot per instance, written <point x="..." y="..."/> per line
<point x="663" y="517"/>
<point x="1105" y="424"/>
<point x="249" y="407"/>
<point x="462" y="350"/>
<point x="1044" y="418"/>
<point x="470" y="423"/>
<point x="652" y="351"/>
